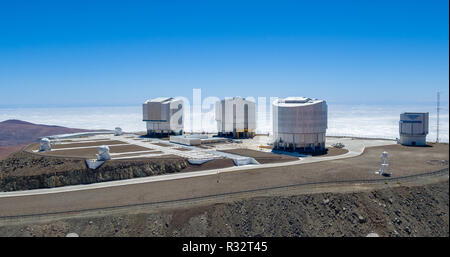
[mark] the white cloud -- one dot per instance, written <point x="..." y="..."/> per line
<point x="361" y="120"/>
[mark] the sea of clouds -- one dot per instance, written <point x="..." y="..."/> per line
<point x="345" y="120"/>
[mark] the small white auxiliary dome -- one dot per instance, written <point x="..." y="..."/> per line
<point x="45" y="145"/>
<point x="118" y="131"/>
<point x="103" y="153"/>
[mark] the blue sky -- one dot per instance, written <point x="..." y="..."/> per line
<point x="123" y="52"/>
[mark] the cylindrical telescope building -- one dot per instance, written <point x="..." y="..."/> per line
<point x="413" y="128"/>
<point x="236" y="118"/>
<point x="299" y="124"/>
<point x="164" y="116"/>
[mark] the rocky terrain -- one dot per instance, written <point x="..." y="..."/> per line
<point x="23" y="170"/>
<point x="393" y="211"/>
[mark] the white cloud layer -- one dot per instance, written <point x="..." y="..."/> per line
<point x="351" y="120"/>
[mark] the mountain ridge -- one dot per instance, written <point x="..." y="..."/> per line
<point x="15" y="133"/>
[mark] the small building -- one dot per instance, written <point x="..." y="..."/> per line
<point x="413" y="128"/>
<point x="236" y="118"/>
<point x="300" y="124"/>
<point x="164" y="116"/>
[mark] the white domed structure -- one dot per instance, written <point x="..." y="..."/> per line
<point x="103" y="153"/>
<point x="118" y="131"/>
<point x="45" y="145"/>
<point x="300" y="124"/>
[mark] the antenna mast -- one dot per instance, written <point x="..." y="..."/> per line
<point x="437" y="122"/>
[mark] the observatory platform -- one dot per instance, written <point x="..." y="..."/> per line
<point x="127" y="146"/>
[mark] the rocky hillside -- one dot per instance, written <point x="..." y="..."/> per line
<point x="394" y="211"/>
<point x="22" y="171"/>
<point x="14" y="134"/>
<point x="5" y="151"/>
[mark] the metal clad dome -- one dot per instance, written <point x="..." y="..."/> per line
<point x="300" y="122"/>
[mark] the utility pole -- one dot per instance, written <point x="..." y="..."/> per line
<point x="437" y="121"/>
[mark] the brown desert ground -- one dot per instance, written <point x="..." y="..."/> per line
<point x="82" y="144"/>
<point x="5" y="151"/>
<point x="90" y="153"/>
<point x="15" y="134"/>
<point x="405" y="161"/>
<point x="270" y="157"/>
<point x="181" y="149"/>
<point x="394" y="211"/>
<point x="141" y="153"/>
<point x="262" y="157"/>
<point x="162" y="144"/>
<point x="25" y="170"/>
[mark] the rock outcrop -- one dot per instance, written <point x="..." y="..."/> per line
<point x="23" y="170"/>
